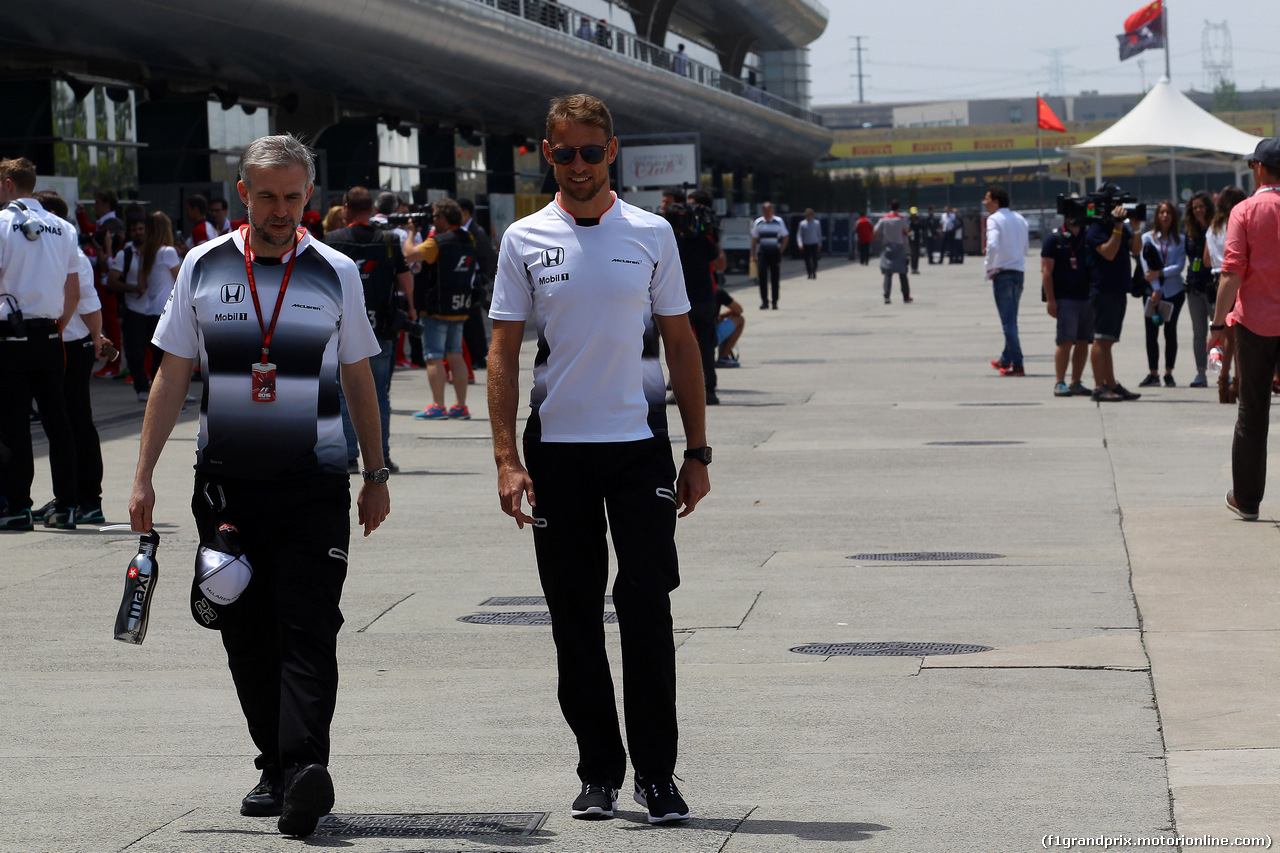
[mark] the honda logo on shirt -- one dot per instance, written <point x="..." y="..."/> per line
<point x="232" y="293"/>
<point x="552" y="257"/>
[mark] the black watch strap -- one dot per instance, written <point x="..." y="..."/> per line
<point x="699" y="454"/>
<point x="1214" y="328"/>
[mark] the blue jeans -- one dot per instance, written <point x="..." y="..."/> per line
<point x="1007" y="286"/>
<point x="380" y="365"/>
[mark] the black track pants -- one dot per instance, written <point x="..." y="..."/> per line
<point x="582" y="490"/>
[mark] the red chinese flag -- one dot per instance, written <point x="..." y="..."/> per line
<point x="1143" y="17"/>
<point x="1045" y="117"/>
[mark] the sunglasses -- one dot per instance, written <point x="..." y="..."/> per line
<point x="591" y="154"/>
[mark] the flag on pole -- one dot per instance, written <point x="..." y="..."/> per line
<point x="1046" y="119"/>
<point x="1142" y="30"/>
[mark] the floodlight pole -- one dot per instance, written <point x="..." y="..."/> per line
<point x="1173" y="164"/>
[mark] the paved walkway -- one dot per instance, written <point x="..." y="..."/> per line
<point x="1129" y="691"/>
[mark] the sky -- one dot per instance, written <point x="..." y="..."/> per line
<point x="930" y="50"/>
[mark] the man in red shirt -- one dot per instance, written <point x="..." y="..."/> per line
<point x="197" y="212"/>
<point x="1251" y="281"/>
<point x="866" y="232"/>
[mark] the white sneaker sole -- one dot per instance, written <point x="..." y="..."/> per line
<point x="670" y="817"/>
<point x="593" y="812"/>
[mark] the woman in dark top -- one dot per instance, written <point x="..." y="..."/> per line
<point x="1201" y="292"/>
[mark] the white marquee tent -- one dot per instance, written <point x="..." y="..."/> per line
<point x="1165" y="120"/>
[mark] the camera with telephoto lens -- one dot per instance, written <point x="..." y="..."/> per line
<point x="400" y="322"/>
<point x="1098" y="205"/>
<point x="691" y="220"/>
<point x="419" y="212"/>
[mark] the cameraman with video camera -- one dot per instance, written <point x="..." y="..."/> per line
<point x="698" y="239"/>
<point x="383" y="272"/>
<point x="1108" y="242"/>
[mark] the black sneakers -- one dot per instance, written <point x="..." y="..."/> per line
<point x="267" y="797"/>
<point x="308" y="796"/>
<point x="662" y="799"/>
<point x="61" y="519"/>
<point x="16" y="519"/>
<point x="595" y="802"/>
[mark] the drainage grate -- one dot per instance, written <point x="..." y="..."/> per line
<point x="925" y="556"/>
<point x="523" y="617"/>
<point x="892" y="649"/>
<point x="430" y="825"/>
<point x="523" y="601"/>
<point x="1001" y="404"/>
<point x="970" y="443"/>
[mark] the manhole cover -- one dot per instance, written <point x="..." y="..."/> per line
<point x="523" y="601"/>
<point x="523" y="617"/>
<point x="925" y="556"/>
<point x="430" y="825"/>
<point x="1001" y="404"/>
<point x="893" y="649"/>
<point x="793" y="361"/>
<point x="971" y="443"/>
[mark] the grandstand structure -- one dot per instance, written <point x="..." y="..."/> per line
<point x="424" y="97"/>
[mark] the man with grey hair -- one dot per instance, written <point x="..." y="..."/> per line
<point x="275" y="320"/>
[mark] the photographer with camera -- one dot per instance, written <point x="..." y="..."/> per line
<point x="698" y="240"/>
<point x="1109" y="241"/>
<point x="383" y="273"/>
<point x="39" y="291"/>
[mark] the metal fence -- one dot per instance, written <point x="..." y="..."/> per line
<point x="570" y="21"/>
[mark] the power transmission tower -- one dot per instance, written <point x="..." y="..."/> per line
<point x="1056" y="70"/>
<point x="858" y="48"/>
<point x="1215" y="55"/>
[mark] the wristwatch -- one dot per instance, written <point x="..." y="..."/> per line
<point x="379" y="476"/>
<point x="1214" y="328"/>
<point x="699" y="454"/>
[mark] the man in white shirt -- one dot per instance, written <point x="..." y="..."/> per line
<point x="768" y="242"/>
<point x="39" y="291"/>
<point x="1006" y="264"/>
<point x="601" y="281"/>
<point x="809" y="239"/>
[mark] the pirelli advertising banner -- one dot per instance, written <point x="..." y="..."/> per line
<point x="960" y="145"/>
<point x="657" y="165"/>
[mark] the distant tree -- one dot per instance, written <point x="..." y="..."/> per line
<point x="1225" y="97"/>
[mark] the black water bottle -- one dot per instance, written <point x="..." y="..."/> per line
<point x="139" y="589"/>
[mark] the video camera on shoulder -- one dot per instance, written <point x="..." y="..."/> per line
<point x="1098" y="205"/>
<point x="691" y="220"/>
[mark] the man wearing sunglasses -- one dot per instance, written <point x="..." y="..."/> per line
<point x="601" y="281"/>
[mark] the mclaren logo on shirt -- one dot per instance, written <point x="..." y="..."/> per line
<point x="552" y="257"/>
<point x="232" y="294"/>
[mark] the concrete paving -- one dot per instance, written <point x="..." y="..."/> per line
<point x="1129" y="691"/>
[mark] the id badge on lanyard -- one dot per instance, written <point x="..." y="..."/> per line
<point x="264" y="372"/>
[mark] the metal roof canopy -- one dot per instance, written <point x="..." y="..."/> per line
<point x="1166" y="119"/>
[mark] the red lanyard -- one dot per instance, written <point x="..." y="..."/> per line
<point x="267" y="331"/>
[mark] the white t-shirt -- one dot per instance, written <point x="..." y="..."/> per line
<point x="89" y="302"/>
<point x="322" y="324"/>
<point x="1217" y="243"/>
<point x="34" y="272"/>
<point x="159" y="283"/>
<point x="592" y="291"/>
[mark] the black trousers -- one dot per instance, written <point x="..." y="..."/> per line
<point x="1170" y="336"/>
<point x="75" y="390"/>
<point x="769" y="262"/>
<point x="702" y="316"/>
<point x="1259" y="359"/>
<point x="864" y="253"/>
<point x="33" y="369"/>
<point x="811" y="259"/>
<point x="138" y="330"/>
<point x="474" y="336"/>
<point x="281" y="636"/>
<point x="632" y="485"/>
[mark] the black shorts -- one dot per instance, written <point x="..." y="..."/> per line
<point x="1108" y="315"/>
